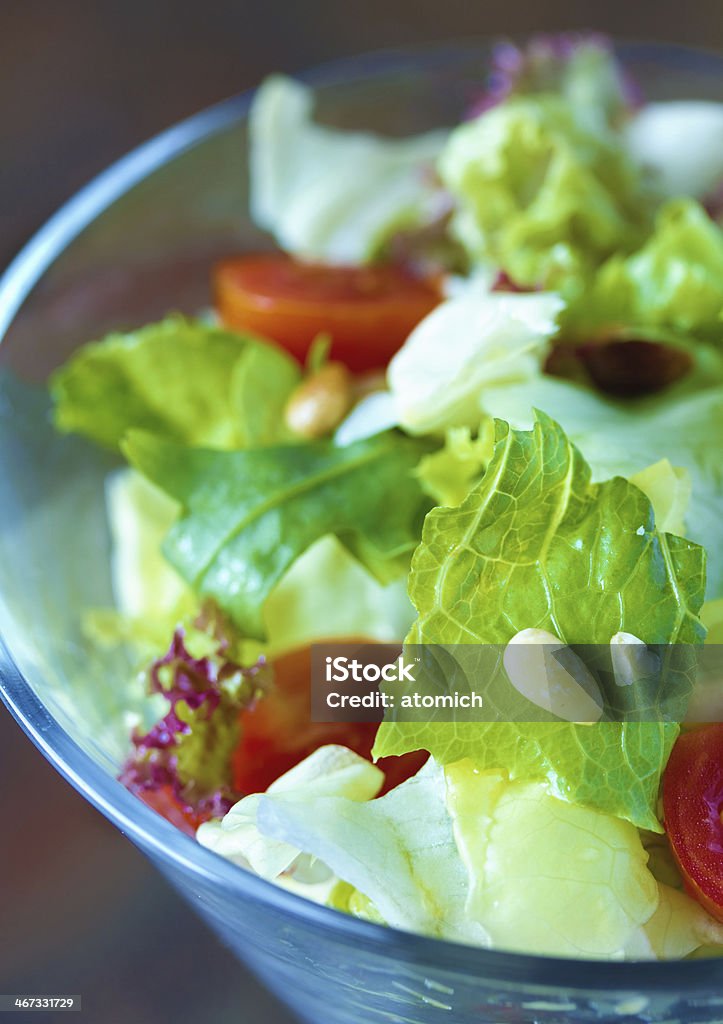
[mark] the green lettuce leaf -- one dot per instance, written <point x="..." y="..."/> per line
<point x="182" y="379"/>
<point x="145" y="586"/>
<point x="674" y="282"/>
<point x="150" y="597"/>
<point x="626" y="438"/>
<point x="448" y="474"/>
<point x="541" y="195"/>
<point x="330" y="195"/>
<point x="247" y="516"/>
<point x="536" y="544"/>
<point x="326" y="592"/>
<point x="262" y="381"/>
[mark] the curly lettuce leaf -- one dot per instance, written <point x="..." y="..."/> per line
<point x="180" y="378"/>
<point x="674" y="282"/>
<point x="188" y="751"/>
<point x="449" y="474"/>
<point x="539" y="194"/>
<point x="248" y="515"/>
<point x="330" y="195"/>
<point x="537" y="544"/>
<point x="580" y="67"/>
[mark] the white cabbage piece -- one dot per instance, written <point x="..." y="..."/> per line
<point x="328" y="593"/>
<point x="679" y="927"/>
<point x="681" y="142"/>
<point x="547" y="876"/>
<point x="145" y="585"/>
<point x="471" y="342"/>
<point x="398" y="851"/>
<point x="330" y="771"/>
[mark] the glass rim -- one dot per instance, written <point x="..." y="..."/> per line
<point x="145" y="827"/>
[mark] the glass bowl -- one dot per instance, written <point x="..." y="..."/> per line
<point x="135" y="243"/>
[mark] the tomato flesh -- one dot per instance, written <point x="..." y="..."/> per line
<point x="165" y="802"/>
<point x="367" y="311"/>
<point x="693" y="805"/>
<point x="276" y="732"/>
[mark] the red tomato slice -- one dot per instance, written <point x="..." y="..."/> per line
<point x="693" y="805"/>
<point x="165" y="803"/>
<point x="277" y="733"/>
<point x="367" y="311"/>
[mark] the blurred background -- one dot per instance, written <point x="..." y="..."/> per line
<point x="81" y="82"/>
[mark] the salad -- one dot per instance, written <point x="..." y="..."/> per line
<point x="472" y="397"/>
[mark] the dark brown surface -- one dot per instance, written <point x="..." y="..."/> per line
<point x="81" y="82"/>
<point x="82" y="912"/>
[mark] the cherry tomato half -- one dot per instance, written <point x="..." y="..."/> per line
<point x="367" y="311"/>
<point x="692" y="806"/>
<point x="277" y="733"/>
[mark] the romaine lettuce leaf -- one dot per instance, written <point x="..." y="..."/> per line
<point x="625" y="438"/>
<point x="330" y="195"/>
<point x="673" y="282"/>
<point x="247" y="516"/>
<point x="541" y="195"/>
<point x="536" y="544"/>
<point x="585" y="892"/>
<point x="475" y="340"/>
<point x="398" y="850"/>
<point x="668" y="488"/>
<point x="180" y="378"/>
